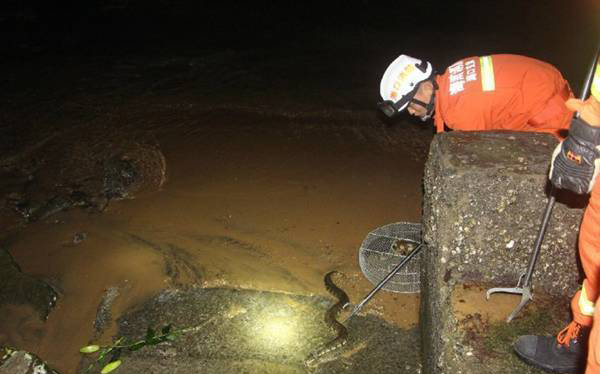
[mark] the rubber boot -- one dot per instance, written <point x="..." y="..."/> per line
<point x="565" y="353"/>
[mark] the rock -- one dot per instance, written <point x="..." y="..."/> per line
<point x="78" y="237"/>
<point x="14" y="361"/>
<point x="485" y="194"/>
<point x="104" y="310"/>
<point x="21" y="288"/>
<point x="246" y="331"/>
<point x="86" y="171"/>
<point x="119" y="175"/>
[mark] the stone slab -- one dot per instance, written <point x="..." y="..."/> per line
<point x="14" y="361"/>
<point x="247" y="331"/>
<point x="20" y="288"/>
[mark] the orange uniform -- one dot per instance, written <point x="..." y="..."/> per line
<point x="589" y="246"/>
<point x="502" y="92"/>
<point x="589" y="252"/>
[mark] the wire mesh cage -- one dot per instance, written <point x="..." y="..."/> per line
<point x="384" y="248"/>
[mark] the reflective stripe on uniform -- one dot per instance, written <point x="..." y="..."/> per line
<point x="596" y="83"/>
<point x="586" y="307"/>
<point x="487" y="73"/>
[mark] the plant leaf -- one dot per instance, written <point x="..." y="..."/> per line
<point x="110" y="367"/>
<point x="172" y="336"/>
<point x="103" y="353"/>
<point x="89" y="348"/>
<point x="136" y="346"/>
<point x="149" y="334"/>
<point x="154" y="341"/>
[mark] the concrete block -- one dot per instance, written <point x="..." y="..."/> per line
<point x="485" y="194"/>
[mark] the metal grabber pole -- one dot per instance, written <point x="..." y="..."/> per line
<point x="524" y="285"/>
<point x="382" y="283"/>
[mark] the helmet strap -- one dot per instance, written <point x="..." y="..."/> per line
<point x="391" y="108"/>
<point x="429" y="107"/>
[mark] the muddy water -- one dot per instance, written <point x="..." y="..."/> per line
<point x="254" y="204"/>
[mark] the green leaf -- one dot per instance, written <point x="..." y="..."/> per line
<point x="136" y="346"/>
<point x="110" y="367"/>
<point x="172" y="336"/>
<point x="149" y="334"/>
<point x="103" y="353"/>
<point x="89" y="348"/>
<point x="154" y="341"/>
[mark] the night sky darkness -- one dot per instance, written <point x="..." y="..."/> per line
<point x="561" y="32"/>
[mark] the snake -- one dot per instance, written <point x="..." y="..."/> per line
<point x="319" y="355"/>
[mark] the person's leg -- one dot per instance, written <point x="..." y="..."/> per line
<point x="566" y="352"/>
<point x="593" y="357"/>
<point x="589" y="252"/>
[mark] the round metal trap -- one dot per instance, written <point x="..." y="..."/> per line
<point x="384" y="248"/>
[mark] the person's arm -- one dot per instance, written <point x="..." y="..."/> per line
<point x="576" y="160"/>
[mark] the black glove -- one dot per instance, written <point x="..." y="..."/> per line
<point x="576" y="160"/>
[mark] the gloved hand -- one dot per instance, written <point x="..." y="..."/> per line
<point x="576" y="160"/>
<point x="589" y="110"/>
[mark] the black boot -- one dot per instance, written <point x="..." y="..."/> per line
<point x="565" y="353"/>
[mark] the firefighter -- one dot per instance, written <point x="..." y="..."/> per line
<point x="510" y="92"/>
<point x="575" y="165"/>
<point x="497" y="92"/>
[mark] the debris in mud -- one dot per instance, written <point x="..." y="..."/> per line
<point x="403" y="247"/>
<point x="79" y="237"/>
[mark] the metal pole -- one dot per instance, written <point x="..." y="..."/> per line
<point x="588" y="79"/>
<point x="540" y="237"/>
<point x="384" y="281"/>
<point x="524" y="284"/>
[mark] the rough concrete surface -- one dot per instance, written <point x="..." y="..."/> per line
<point x="245" y="331"/>
<point x="485" y="194"/>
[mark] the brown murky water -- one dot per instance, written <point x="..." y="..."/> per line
<point x="268" y="206"/>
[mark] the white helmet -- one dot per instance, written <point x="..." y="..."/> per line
<point x="400" y="82"/>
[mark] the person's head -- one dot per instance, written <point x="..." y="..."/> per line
<point x="408" y="83"/>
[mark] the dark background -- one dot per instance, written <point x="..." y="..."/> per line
<point x="562" y="32"/>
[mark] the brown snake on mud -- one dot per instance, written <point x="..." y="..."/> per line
<point x="318" y="356"/>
